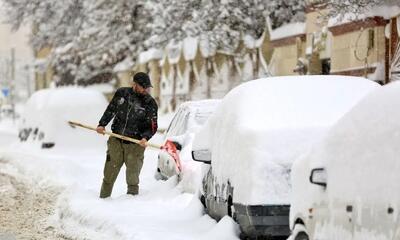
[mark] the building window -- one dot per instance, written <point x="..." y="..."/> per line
<point x="326" y="66"/>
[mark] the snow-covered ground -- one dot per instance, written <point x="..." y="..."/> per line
<point x="72" y="179"/>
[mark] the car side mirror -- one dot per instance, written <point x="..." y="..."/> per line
<point x="318" y="177"/>
<point x="203" y="156"/>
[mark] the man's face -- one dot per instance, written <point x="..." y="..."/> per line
<point x="139" y="89"/>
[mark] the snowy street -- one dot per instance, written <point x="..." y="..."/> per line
<point x="24" y="207"/>
<point x="200" y="120"/>
<point x="54" y="195"/>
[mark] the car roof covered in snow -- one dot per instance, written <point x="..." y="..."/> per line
<point x="201" y="104"/>
<point x="262" y="126"/>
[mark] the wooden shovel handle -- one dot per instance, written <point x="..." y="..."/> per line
<point x="72" y="123"/>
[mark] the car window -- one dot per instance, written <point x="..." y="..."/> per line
<point x="178" y="124"/>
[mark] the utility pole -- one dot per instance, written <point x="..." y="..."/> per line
<point x="28" y="79"/>
<point x="12" y="83"/>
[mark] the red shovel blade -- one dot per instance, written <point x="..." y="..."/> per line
<point x="170" y="148"/>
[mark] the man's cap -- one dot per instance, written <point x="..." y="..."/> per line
<point x="142" y="79"/>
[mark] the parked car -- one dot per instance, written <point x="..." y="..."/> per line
<point x="44" y="123"/>
<point x="189" y="117"/>
<point x="254" y="136"/>
<point x="347" y="187"/>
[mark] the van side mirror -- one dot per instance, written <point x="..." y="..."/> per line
<point x="203" y="156"/>
<point x="318" y="177"/>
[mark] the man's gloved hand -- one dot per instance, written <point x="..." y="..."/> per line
<point x="100" y="130"/>
<point x="143" y="142"/>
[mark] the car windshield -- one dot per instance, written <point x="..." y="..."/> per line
<point x="189" y="118"/>
<point x="202" y="116"/>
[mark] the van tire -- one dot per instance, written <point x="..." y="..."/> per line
<point x="299" y="230"/>
<point x="301" y="236"/>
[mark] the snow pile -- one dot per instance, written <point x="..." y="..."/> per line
<point x="385" y="11"/>
<point x="124" y="65"/>
<point x="149" y="55"/>
<point x="174" y="52"/>
<point x="190" y="45"/>
<point x="262" y="126"/>
<point x="102" y="87"/>
<point x="288" y="30"/>
<point x="48" y="111"/>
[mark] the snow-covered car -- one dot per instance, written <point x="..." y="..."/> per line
<point x="347" y="187"/>
<point x="254" y="136"/>
<point x="44" y="123"/>
<point x="189" y="117"/>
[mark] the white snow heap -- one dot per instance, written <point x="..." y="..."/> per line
<point x="57" y="107"/>
<point x="288" y="30"/>
<point x="124" y="65"/>
<point x="151" y="54"/>
<point x="342" y="12"/>
<point x="174" y="51"/>
<point x="190" y="46"/>
<point x="262" y="126"/>
<point x="105" y="88"/>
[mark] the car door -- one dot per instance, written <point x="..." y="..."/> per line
<point x="377" y="219"/>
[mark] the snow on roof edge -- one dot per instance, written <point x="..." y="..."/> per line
<point x="384" y="11"/>
<point x="124" y="65"/>
<point x="288" y="30"/>
<point x="151" y="54"/>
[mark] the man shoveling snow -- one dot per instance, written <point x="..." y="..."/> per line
<point x="135" y="115"/>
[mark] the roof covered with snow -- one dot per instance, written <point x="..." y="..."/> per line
<point x="385" y="11"/>
<point x="190" y="46"/>
<point x="124" y="65"/>
<point x="288" y="30"/>
<point x="174" y="51"/>
<point x="151" y="54"/>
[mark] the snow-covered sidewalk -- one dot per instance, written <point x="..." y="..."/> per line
<point x="161" y="211"/>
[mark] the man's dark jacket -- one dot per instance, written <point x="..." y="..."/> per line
<point x="135" y="115"/>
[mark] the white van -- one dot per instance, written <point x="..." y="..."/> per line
<point x="348" y="186"/>
<point x="256" y="133"/>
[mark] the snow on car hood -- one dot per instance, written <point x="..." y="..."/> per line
<point x="262" y="126"/>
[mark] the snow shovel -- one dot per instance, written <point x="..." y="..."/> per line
<point x="169" y="146"/>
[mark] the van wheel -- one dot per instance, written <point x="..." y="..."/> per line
<point x="301" y="236"/>
<point x="300" y="232"/>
